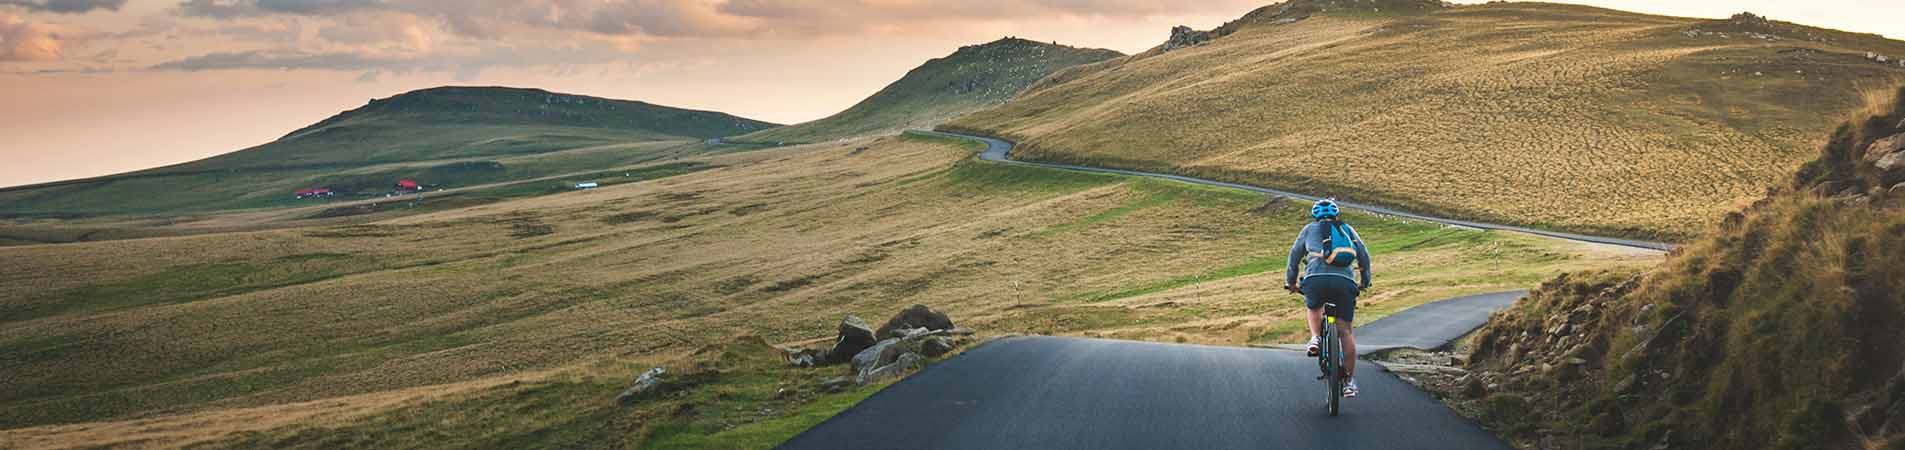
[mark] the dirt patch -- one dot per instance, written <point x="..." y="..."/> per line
<point x="353" y="231"/>
<point x="630" y="217"/>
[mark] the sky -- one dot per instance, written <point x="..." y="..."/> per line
<point x="95" y="87"/>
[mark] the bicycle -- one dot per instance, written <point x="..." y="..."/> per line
<point x="1329" y="358"/>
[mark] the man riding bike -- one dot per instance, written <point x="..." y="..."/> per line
<point x="1327" y="279"/>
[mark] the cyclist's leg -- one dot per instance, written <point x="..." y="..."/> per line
<point x="1346" y="327"/>
<point x="1348" y="333"/>
<point x="1315" y="303"/>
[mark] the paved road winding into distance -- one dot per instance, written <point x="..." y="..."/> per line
<point x="1074" y="393"/>
<point x="997" y="150"/>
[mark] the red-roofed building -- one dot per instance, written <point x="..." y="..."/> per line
<point x="408" y="185"/>
<point x="317" y="192"/>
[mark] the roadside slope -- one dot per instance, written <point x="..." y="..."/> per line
<point x="973" y="78"/>
<point x="1778" y="329"/>
<point x="1554" y="116"/>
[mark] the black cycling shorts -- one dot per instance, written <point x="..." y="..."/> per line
<point x="1332" y="289"/>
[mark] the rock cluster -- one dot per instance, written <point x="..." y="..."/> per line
<point x="903" y="343"/>
<point x="1184" y="36"/>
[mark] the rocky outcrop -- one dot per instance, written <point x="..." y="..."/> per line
<point x="916" y="316"/>
<point x="1183" y="36"/>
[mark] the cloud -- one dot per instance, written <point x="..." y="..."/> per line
<point x="21" y="40"/>
<point x="227" y="9"/>
<point x="467" y="36"/>
<point x="490" y="19"/>
<point x="65" y="6"/>
<point x="274" y="59"/>
<point x="398" y="31"/>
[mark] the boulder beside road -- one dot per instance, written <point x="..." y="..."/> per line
<point x="854" y="335"/>
<point x="905" y="342"/>
<point x="916" y="316"/>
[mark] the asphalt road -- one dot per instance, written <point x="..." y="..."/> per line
<point x="1072" y="393"/>
<point x="1432" y="325"/>
<point x="998" y="149"/>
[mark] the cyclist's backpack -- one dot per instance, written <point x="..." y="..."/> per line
<point x="1342" y="248"/>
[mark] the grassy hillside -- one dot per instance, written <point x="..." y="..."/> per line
<point x="1778" y="329"/>
<point x="973" y="78"/>
<point x="514" y="325"/>
<point x="449" y="137"/>
<point x="1548" y="115"/>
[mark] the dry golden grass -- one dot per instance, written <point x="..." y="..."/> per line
<point x="213" y="329"/>
<point x="1551" y="115"/>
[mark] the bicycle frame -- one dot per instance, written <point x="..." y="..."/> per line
<point x="1330" y="359"/>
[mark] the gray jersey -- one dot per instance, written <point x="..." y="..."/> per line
<point x="1309" y="250"/>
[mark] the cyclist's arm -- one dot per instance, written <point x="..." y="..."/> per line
<point x="1296" y="258"/>
<point x="1362" y="255"/>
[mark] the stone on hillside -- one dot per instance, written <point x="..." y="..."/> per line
<point x="835" y="384"/>
<point x="644" y="384"/>
<point x="879" y="354"/>
<point x="916" y="316"/>
<point x="935" y="346"/>
<point x="1888" y="155"/>
<point x="855" y="336"/>
<point x="899" y="366"/>
<point x="805" y="357"/>
<point x="1884" y="147"/>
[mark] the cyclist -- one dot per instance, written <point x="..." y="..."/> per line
<point x="1325" y="283"/>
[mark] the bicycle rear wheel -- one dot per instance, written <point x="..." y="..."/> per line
<point x="1333" y="355"/>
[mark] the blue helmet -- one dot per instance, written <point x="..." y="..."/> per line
<point x="1324" y="209"/>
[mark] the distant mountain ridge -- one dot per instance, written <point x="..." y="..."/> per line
<point x="515" y="132"/>
<point x="454" y="107"/>
<point x="973" y="78"/>
<point x="524" y="105"/>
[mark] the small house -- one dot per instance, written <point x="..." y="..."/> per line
<point x="315" y="192"/>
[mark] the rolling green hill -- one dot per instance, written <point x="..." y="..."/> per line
<point x="973" y="78"/>
<point x="1548" y="115"/>
<point x="448" y="136"/>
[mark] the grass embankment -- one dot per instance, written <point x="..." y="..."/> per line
<point x="1557" y="116"/>
<point x="444" y="137"/>
<point x="1778" y="329"/>
<point x="973" y="78"/>
<point x="376" y="332"/>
